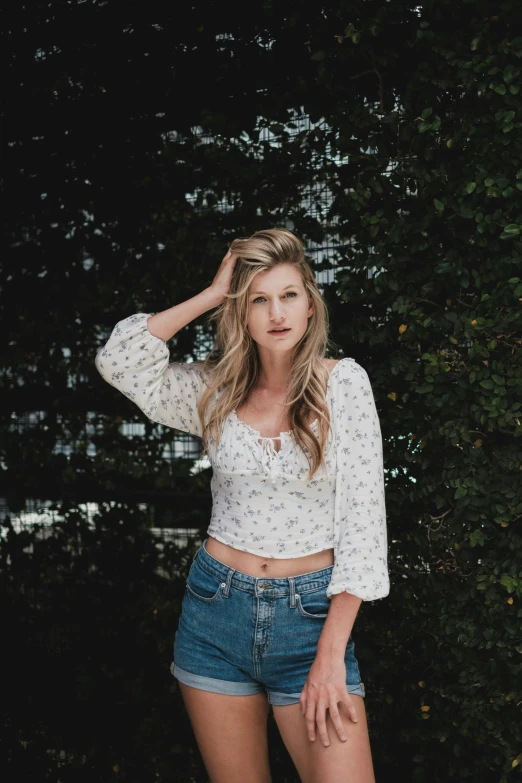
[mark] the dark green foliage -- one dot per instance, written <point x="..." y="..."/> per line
<point x="440" y="321"/>
<point x="136" y="132"/>
<point x="90" y="624"/>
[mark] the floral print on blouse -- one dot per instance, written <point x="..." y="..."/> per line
<point x="262" y="502"/>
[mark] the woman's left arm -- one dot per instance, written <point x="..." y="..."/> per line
<point x="360" y="571"/>
<point x="338" y="625"/>
<point x="325" y="685"/>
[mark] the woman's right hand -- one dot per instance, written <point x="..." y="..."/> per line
<point x="220" y="285"/>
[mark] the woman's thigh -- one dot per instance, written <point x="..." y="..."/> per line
<point x="231" y="732"/>
<point x="340" y="761"/>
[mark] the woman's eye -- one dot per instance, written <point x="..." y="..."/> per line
<point x="290" y="293"/>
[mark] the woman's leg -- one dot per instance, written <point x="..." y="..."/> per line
<point x="231" y="732"/>
<point x="340" y="762"/>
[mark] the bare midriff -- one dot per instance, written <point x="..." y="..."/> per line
<point x="257" y="566"/>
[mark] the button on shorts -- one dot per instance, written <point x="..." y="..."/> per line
<point x="239" y="634"/>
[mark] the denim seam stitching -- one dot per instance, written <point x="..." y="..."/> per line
<point x="202" y="597"/>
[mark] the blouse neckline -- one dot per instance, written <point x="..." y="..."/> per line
<point x="258" y="435"/>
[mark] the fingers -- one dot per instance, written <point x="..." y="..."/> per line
<point x="230" y="256"/>
<point x="310" y="722"/>
<point x="336" y="717"/>
<point x="337" y="722"/>
<point x="315" y="714"/>
<point x="320" y="718"/>
<point x="308" y="710"/>
<point x="350" y="709"/>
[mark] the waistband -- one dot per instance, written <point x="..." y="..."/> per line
<point x="260" y="585"/>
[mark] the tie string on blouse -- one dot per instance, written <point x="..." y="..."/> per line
<point x="268" y="457"/>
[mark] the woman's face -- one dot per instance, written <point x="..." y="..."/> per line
<point x="277" y="299"/>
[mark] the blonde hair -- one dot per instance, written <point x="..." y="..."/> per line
<point x="235" y="372"/>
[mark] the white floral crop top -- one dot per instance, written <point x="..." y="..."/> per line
<point x="262" y="502"/>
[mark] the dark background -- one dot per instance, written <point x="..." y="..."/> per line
<point x="137" y="142"/>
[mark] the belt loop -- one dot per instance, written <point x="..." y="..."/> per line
<point x="292" y="591"/>
<point x="226" y="589"/>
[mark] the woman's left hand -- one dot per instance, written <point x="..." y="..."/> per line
<point x="324" y="688"/>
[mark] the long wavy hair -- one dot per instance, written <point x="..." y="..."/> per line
<point x="234" y="373"/>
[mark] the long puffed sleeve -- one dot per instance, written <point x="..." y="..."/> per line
<point x="137" y="363"/>
<point x="361" y="543"/>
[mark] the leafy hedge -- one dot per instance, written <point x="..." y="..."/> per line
<point x="415" y="160"/>
<point x="439" y="323"/>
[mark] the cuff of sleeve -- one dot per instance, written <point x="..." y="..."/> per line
<point x="362" y="594"/>
<point x="146" y="317"/>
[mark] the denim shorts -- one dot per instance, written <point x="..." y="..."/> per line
<point x="239" y="634"/>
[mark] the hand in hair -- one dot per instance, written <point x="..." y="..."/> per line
<point x="220" y="286"/>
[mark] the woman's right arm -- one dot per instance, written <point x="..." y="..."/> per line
<point x="135" y="358"/>
<point x="167" y="323"/>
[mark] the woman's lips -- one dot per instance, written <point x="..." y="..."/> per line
<point x="285" y="331"/>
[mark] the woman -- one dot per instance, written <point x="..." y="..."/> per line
<point x="297" y="538"/>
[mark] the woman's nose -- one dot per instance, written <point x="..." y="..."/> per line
<point x="276" y="310"/>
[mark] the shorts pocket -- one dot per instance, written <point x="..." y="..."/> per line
<point x="314" y="603"/>
<point x="202" y="585"/>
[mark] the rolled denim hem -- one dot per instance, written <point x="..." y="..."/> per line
<point x="282" y="699"/>
<point x="214" y="685"/>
